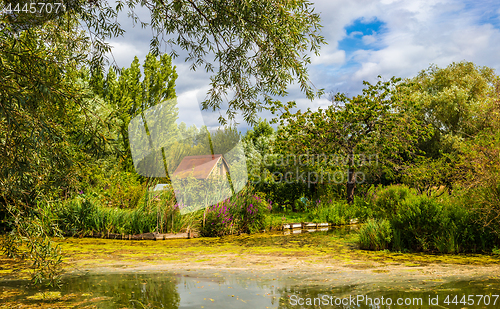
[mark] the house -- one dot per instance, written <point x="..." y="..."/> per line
<point x="202" y="167"/>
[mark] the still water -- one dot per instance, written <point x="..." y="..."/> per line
<point x="252" y="290"/>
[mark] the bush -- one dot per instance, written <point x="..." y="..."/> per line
<point x="242" y="213"/>
<point x="417" y="223"/>
<point x="375" y="235"/>
<point x="445" y="224"/>
<point x="463" y="227"/>
<point x="387" y="201"/>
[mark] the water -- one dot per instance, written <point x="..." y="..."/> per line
<point x="289" y="287"/>
<point x="210" y="289"/>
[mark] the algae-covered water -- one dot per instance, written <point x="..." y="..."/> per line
<point x="253" y="290"/>
<point x="268" y="270"/>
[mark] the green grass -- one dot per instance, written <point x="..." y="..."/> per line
<point x="290" y="217"/>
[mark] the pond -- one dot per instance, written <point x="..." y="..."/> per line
<point x="245" y="289"/>
<point x="268" y="270"/>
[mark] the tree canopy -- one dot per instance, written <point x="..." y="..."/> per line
<point x="377" y="122"/>
<point x="254" y="49"/>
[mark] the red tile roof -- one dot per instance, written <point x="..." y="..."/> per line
<point x="199" y="167"/>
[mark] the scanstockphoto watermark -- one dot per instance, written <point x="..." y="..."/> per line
<point x="309" y="177"/>
<point x="353" y="301"/>
<point x="310" y="159"/>
<point x="312" y="169"/>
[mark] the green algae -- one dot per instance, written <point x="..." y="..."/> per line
<point x="268" y="250"/>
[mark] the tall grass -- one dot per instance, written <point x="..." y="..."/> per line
<point x="337" y="212"/>
<point x="447" y="224"/>
<point x="157" y="213"/>
<point x="375" y="235"/>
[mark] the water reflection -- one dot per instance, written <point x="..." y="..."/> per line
<point x="253" y="290"/>
<point x="461" y="294"/>
<point x="127" y="290"/>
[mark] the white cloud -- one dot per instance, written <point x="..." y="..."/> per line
<point x="335" y="57"/>
<point x="416" y="33"/>
<point x="124" y="52"/>
<point x="369" y="39"/>
<point x="189" y="111"/>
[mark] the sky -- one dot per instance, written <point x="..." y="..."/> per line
<point x="366" y="38"/>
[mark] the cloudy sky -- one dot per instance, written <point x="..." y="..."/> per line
<point x="366" y="38"/>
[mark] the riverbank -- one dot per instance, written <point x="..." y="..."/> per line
<point x="319" y="259"/>
<point x="313" y="252"/>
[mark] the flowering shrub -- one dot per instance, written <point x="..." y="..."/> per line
<point x="242" y="213"/>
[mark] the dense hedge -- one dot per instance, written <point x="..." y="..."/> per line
<point x="428" y="223"/>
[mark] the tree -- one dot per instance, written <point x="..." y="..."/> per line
<point x="458" y="103"/>
<point x="131" y="95"/>
<point x="376" y="122"/>
<point x="455" y="100"/>
<point x="254" y="49"/>
<point x="47" y="130"/>
<point x="259" y="144"/>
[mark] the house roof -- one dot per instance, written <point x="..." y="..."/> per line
<point x="199" y="167"/>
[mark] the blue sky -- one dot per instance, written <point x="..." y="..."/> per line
<point x="366" y="38"/>
<point x="358" y="35"/>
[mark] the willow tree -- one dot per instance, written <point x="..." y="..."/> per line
<point x="253" y="49"/>
<point x="458" y="102"/>
<point x="47" y="129"/>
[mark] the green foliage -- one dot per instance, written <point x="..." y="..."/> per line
<point x="158" y="212"/>
<point x="387" y="201"/>
<point x="118" y="188"/>
<point x="242" y="213"/>
<point x="379" y="121"/>
<point x="336" y="213"/>
<point x="375" y="235"/>
<point x="260" y="47"/>
<point x="266" y="167"/>
<point x="443" y="223"/>
<point x="262" y="129"/>
<point x="417" y="223"/>
<point x="482" y="179"/>
<point x="455" y="98"/>
<point x="129" y="95"/>
<point x="428" y="175"/>
<point x="29" y="239"/>
<point x="44" y="127"/>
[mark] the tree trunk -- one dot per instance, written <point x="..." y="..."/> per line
<point x="351" y="184"/>
<point x="351" y="180"/>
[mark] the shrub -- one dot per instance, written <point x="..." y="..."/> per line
<point x="387" y="201"/>
<point x="463" y="227"/>
<point x="418" y="222"/>
<point x="375" y="235"/>
<point x="242" y="213"/>
<point x="362" y="209"/>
